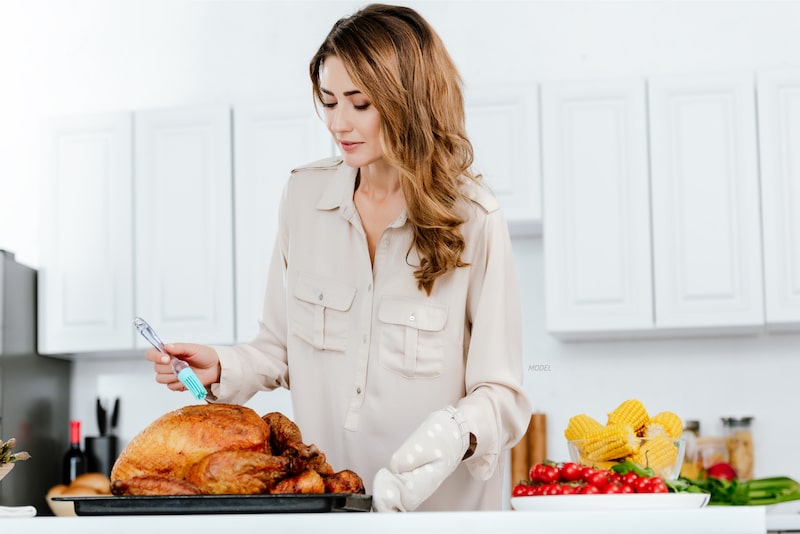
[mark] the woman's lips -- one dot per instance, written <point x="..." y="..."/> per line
<point x="349" y="146"/>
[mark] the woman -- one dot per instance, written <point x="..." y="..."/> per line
<point x="392" y="308"/>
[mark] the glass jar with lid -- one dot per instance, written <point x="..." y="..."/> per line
<point x="739" y="440"/>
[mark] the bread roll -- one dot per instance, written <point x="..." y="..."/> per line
<point x="98" y="482"/>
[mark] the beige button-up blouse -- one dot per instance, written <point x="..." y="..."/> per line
<point x="367" y="356"/>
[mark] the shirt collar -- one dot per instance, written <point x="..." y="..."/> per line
<point x="339" y="194"/>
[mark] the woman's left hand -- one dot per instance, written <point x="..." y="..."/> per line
<point x="422" y="463"/>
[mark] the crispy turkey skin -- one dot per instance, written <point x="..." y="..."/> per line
<point x="225" y="449"/>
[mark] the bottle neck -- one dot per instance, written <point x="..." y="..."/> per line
<point x="75" y="433"/>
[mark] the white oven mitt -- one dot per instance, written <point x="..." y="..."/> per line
<point x="422" y="463"/>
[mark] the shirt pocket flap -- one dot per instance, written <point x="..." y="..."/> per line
<point x="427" y="317"/>
<point x="325" y="294"/>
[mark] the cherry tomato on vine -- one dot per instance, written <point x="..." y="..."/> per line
<point x="535" y="472"/>
<point x="657" y="485"/>
<point x="570" y="472"/>
<point x="630" y="478"/>
<point x="643" y="485"/>
<point x="549" y="474"/>
<point x="589" y="490"/>
<point x="612" y="488"/>
<point x="520" y="490"/>
<point x="598" y="479"/>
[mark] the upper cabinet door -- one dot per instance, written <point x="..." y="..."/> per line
<point x="270" y="140"/>
<point x="184" y="219"/>
<point x="779" y="140"/>
<point x="596" y="207"/>
<point x="85" y="281"/>
<point x="503" y="126"/>
<point x="705" y="194"/>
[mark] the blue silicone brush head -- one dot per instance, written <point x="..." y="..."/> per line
<point x="189" y="379"/>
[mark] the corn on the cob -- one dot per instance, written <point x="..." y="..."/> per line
<point x="579" y="426"/>
<point x="659" y="454"/>
<point x="630" y="412"/>
<point x="610" y="442"/>
<point x="664" y="424"/>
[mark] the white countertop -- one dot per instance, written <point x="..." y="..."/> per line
<point x="709" y="520"/>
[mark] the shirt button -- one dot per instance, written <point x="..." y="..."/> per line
<point x="320" y="296"/>
<point x="358" y="390"/>
<point x="412" y="318"/>
<point x="364" y="338"/>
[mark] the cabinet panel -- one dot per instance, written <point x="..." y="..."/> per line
<point x="706" y="221"/>
<point x="502" y="124"/>
<point x="270" y="140"/>
<point x="85" y="277"/>
<point x="779" y="140"/>
<point x="597" y="228"/>
<point x="183" y="214"/>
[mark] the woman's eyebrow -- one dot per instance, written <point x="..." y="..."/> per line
<point x="346" y="93"/>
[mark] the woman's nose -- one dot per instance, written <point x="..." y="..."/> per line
<point x="338" y="120"/>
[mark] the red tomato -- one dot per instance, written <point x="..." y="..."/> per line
<point x="550" y="489"/>
<point x="570" y="472"/>
<point x="612" y="488"/>
<point x="586" y="472"/>
<point x="626" y="488"/>
<point x="549" y="474"/>
<point x="630" y="478"/>
<point x="567" y="489"/>
<point x="531" y="491"/>
<point x="534" y="472"/>
<point x="519" y="490"/>
<point x="589" y="490"/>
<point x="643" y="485"/>
<point x="657" y="485"/>
<point x="598" y="479"/>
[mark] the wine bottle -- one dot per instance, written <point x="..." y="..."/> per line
<point x="74" y="462"/>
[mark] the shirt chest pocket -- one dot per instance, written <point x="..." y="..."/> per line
<point x="321" y="316"/>
<point x="411" y="337"/>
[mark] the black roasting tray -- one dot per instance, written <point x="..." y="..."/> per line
<point x="220" y="504"/>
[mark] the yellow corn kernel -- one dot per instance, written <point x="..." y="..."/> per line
<point x="579" y="426"/>
<point x="664" y="423"/>
<point x="659" y="454"/>
<point x="610" y="442"/>
<point x="630" y="412"/>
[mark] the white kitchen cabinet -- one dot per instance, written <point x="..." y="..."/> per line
<point x="138" y="221"/>
<point x="502" y="125"/>
<point x="184" y="223"/>
<point x="596" y="198"/>
<point x="270" y="140"/>
<point x="779" y="140"/>
<point x="85" y="277"/>
<point x="705" y="202"/>
<point x="649" y="240"/>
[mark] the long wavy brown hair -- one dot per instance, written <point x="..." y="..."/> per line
<point x="399" y="62"/>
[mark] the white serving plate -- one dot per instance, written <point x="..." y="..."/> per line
<point x="632" y="501"/>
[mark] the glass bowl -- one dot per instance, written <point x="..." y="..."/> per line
<point x="663" y="454"/>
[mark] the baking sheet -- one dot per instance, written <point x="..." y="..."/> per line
<point x="220" y="504"/>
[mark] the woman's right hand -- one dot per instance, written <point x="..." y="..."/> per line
<point x="202" y="358"/>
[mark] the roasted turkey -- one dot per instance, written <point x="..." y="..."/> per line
<point x="225" y="449"/>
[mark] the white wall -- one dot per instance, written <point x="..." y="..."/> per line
<point x="101" y="55"/>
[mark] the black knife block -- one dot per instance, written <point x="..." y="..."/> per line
<point x="101" y="453"/>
